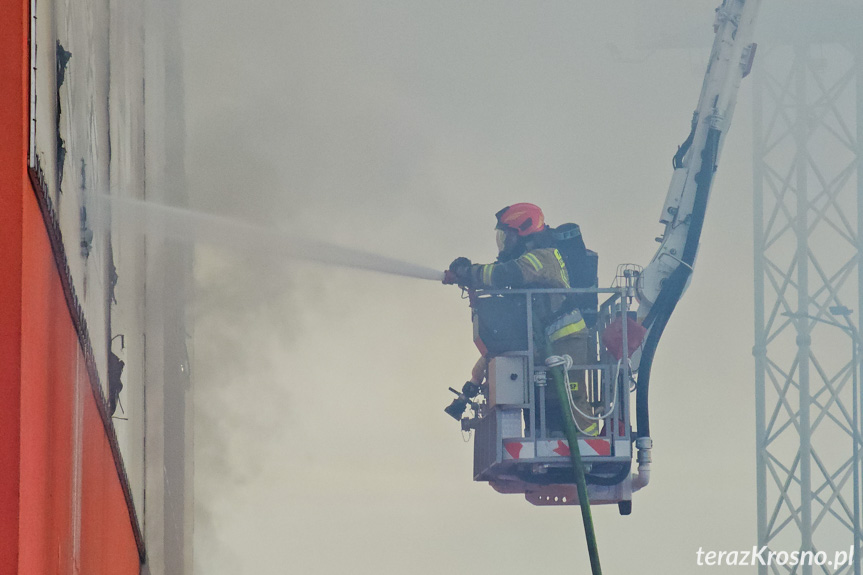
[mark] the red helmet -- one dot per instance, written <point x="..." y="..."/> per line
<point x="525" y="219"/>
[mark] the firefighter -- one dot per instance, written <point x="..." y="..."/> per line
<point x="528" y="258"/>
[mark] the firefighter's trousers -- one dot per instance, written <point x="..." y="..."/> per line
<point x="579" y="347"/>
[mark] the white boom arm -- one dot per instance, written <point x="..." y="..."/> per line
<point x="683" y="212"/>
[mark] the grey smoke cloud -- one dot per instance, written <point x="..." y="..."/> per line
<point x="399" y="129"/>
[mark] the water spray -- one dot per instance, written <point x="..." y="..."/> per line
<point x="187" y="225"/>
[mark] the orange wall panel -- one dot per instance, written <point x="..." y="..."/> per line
<point x="107" y="540"/>
<point x="49" y="360"/>
<point x="73" y="509"/>
<point x="13" y="124"/>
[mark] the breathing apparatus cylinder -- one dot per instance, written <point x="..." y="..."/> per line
<point x="582" y="266"/>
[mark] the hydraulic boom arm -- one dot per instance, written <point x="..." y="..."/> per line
<point x="664" y="280"/>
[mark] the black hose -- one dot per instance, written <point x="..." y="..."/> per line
<point x="609" y="474"/>
<point x="677" y="162"/>
<point x="622" y="473"/>
<point x="673" y="287"/>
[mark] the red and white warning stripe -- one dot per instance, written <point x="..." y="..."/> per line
<point x="513" y="449"/>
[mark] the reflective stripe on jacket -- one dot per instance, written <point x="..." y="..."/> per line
<point x="568" y="324"/>
<point x="538" y="268"/>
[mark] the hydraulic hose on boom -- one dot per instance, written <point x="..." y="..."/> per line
<point x="676" y="283"/>
<point x="664" y="280"/>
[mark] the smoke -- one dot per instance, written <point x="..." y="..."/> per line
<point x="308" y="116"/>
<point x="178" y="223"/>
<point x="299" y="117"/>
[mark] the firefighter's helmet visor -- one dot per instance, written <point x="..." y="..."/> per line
<point x="501" y="240"/>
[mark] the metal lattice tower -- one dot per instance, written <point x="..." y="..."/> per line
<point x="808" y="222"/>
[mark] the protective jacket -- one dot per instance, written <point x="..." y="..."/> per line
<point x="537" y="268"/>
<point x="544" y="267"/>
<point x="541" y="267"/>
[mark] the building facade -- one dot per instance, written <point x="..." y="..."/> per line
<point x="95" y="384"/>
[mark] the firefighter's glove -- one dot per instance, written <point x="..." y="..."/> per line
<point x="458" y="272"/>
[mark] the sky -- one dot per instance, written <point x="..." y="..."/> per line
<point x="400" y="128"/>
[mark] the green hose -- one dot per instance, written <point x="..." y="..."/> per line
<point x="575" y="457"/>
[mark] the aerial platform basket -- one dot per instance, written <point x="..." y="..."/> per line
<point x="516" y="446"/>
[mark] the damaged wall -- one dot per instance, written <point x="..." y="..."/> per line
<point x="108" y="121"/>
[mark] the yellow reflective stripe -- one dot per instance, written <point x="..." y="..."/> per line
<point x="592" y="429"/>
<point x="567" y="330"/>
<point x="534" y="261"/>
<point x="486" y="273"/>
<point x="563" y="273"/>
